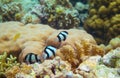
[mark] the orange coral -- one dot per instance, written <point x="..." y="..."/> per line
<point x="81" y="51"/>
<point x="16" y="69"/>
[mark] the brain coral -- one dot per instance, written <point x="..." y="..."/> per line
<point x="103" y="21"/>
<point x="35" y="37"/>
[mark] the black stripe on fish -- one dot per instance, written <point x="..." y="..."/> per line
<point x="32" y="58"/>
<point x="50" y="49"/>
<point x="63" y="34"/>
<point x="47" y="53"/>
<point x="36" y="58"/>
<point x="59" y="38"/>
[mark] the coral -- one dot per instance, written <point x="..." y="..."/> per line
<point x="78" y="41"/>
<point x="56" y="68"/>
<point x="102" y="21"/>
<point x="7" y="62"/>
<point x="9" y="10"/>
<point x="78" y="56"/>
<point x="80" y="6"/>
<point x="59" y="14"/>
<point x="112" y="58"/>
<point x="76" y="47"/>
<point x="105" y="72"/>
<point x="27" y="40"/>
<point x="17" y="10"/>
<point x="97" y="66"/>
<point x="113" y="44"/>
<point x="19" y="71"/>
<point x="82" y="51"/>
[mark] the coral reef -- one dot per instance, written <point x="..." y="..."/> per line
<point x="10" y="11"/>
<point x="113" y="44"/>
<point x="78" y="56"/>
<point x="6" y="63"/>
<point x="26" y="41"/>
<point x="75" y="1"/>
<point x="103" y="21"/>
<point x="112" y="58"/>
<point x="24" y="71"/>
<point x="77" y="47"/>
<point x="18" y="39"/>
<point x="56" y="68"/>
<point x="59" y="14"/>
<point x="83" y="11"/>
<point x="97" y="66"/>
<point x="17" y="10"/>
<point x="56" y="13"/>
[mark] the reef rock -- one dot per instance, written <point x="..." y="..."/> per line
<point x="112" y="58"/>
<point x="55" y="68"/>
<point x="101" y="67"/>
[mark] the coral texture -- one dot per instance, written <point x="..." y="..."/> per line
<point x="17" y="10"/>
<point x="6" y="63"/>
<point x="113" y="44"/>
<point x="97" y="66"/>
<point x="13" y="43"/>
<point x="112" y="58"/>
<point x="92" y="67"/>
<point x="59" y="14"/>
<point x="10" y="11"/>
<point x="55" y="68"/>
<point x="103" y="21"/>
<point x="19" y="39"/>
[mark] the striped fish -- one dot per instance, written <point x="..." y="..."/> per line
<point x="62" y="36"/>
<point x="49" y="51"/>
<point x="31" y="58"/>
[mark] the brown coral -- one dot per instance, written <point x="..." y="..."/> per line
<point x="76" y="47"/>
<point x="27" y="38"/>
<point x="11" y="73"/>
<point x="103" y="21"/>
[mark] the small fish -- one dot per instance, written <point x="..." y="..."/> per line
<point x="62" y="36"/>
<point x="31" y="58"/>
<point x="16" y="36"/>
<point x="49" y="51"/>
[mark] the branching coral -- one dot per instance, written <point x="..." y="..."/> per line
<point x="7" y="62"/>
<point x="18" y="71"/>
<point x="103" y="21"/>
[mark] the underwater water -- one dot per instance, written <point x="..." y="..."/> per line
<point x="59" y="38"/>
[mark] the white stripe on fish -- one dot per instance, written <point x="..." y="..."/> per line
<point x="62" y="36"/>
<point x="31" y="58"/>
<point x="49" y="51"/>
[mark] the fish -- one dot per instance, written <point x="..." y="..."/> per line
<point x="62" y="36"/>
<point x="16" y="36"/>
<point x="49" y="51"/>
<point x="32" y="58"/>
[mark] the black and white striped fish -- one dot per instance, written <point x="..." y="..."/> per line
<point x="62" y="36"/>
<point x="49" y="51"/>
<point x="31" y="58"/>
